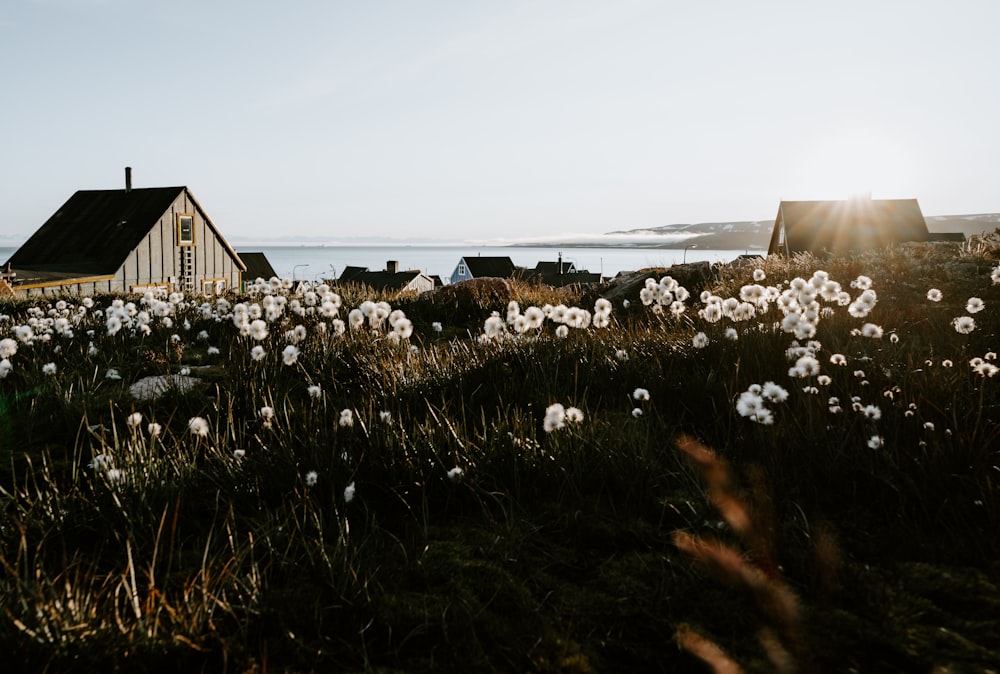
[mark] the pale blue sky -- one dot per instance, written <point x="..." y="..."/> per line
<point x="465" y="119"/>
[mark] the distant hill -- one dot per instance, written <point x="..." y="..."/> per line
<point x="756" y="234"/>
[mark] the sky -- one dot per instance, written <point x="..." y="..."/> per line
<point x="503" y="120"/>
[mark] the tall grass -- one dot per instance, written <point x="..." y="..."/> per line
<point x="445" y="527"/>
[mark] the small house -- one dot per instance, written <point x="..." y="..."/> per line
<point x="483" y="267"/>
<point x="391" y="279"/>
<point x="126" y="240"/>
<point x="844" y="226"/>
<point x="257" y="267"/>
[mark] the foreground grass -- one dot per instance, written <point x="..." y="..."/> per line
<point x="445" y="529"/>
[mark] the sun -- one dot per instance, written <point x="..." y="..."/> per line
<point x="852" y="162"/>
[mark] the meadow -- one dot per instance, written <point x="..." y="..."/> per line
<point x="778" y="465"/>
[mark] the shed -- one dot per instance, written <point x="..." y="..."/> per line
<point x="843" y="226"/>
<point x="126" y="240"/>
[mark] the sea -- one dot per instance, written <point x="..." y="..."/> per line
<point x="315" y="262"/>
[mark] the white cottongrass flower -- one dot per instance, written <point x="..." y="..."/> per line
<point x="934" y="295"/>
<point x="133" y="420"/>
<point x="872" y="412"/>
<point x="311" y="478"/>
<point x="562" y="331"/>
<point x="212" y="351"/>
<point x="700" y="341"/>
<point x="346" y="418"/>
<point x="759" y="275"/>
<point x="315" y="391"/>
<point x="112" y="374"/>
<point x="861" y="283"/>
<point x="5" y="368"/>
<point x="621" y="355"/>
<point x="100" y="463"/>
<point x="749" y="404"/>
<point x="198" y="426"/>
<point x="894" y="338"/>
<point x="805" y="366"/>
<point x="732" y="335"/>
<point x="385" y="416"/>
<point x="986" y="369"/>
<point x="974" y="305"/>
<point x="637" y="412"/>
<point x="436" y="326"/>
<point x="871" y="330"/>
<point x="928" y="426"/>
<point x="875" y="441"/>
<point x="257" y="353"/>
<point x="455" y="474"/>
<point x="49" y="369"/>
<point x="555" y="417"/>
<point x="640" y="394"/>
<point x="774" y="393"/>
<point x="290" y="354"/>
<point x="154" y="429"/>
<point x="995" y="275"/>
<point x="574" y="415"/>
<point x="946" y="363"/>
<point x="349" y="491"/>
<point x="964" y="324"/>
<point x="258" y="329"/>
<point x="8" y="347"/>
<point x="824" y="380"/>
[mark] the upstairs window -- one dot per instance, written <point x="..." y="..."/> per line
<point x="185" y="229"/>
<point x="461" y="269"/>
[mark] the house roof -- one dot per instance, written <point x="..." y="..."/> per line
<point x="379" y="280"/>
<point x="846" y="225"/>
<point x="93" y="233"/>
<point x="554" y="268"/>
<point x="258" y="266"/>
<point x="481" y="267"/>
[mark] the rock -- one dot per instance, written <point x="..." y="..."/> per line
<point x="148" y="388"/>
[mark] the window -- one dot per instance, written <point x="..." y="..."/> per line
<point x="461" y="269"/>
<point x="207" y="287"/>
<point x="185" y="229"/>
<point x="220" y="286"/>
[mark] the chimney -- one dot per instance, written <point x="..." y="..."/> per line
<point x="560" y="264"/>
<point x="392" y="266"/>
<point x="128" y="179"/>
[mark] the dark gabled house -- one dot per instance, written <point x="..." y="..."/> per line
<point x="560" y="273"/>
<point x="126" y="240"/>
<point x="257" y="267"/>
<point x="483" y="267"/>
<point x="844" y="226"/>
<point x="391" y="278"/>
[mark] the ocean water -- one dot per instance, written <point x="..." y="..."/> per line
<point x="327" y="262"/>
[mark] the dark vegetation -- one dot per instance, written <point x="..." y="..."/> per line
<point x="659" y="540"/>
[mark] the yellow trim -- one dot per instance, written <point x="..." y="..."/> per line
<point x="65" y="282"/>
<point x="211" y="225"/>
<point x="214" y="280"/>
<point x="194" y="234"/>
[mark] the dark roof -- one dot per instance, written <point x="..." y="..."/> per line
<point x="554" y="268"/>
<point x="379" y="280"/>
<point x="94" y="231"/>
<point x="496" y="267"/>
<point x="839" y="226"/>
<point x="258" y="266"/>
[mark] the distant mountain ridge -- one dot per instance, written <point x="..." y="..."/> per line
<point x="756" y="234"/>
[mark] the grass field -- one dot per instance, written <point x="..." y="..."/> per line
<point x="787" y="465"/>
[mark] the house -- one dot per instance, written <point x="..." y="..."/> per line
<point x="257" y="267"/>
<point x="483" y="267"/>
<point x="843" y="226"/>
<point x="560" y="273"/>
<point x="391" y="278"/>
<point x="126" y="240"/>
